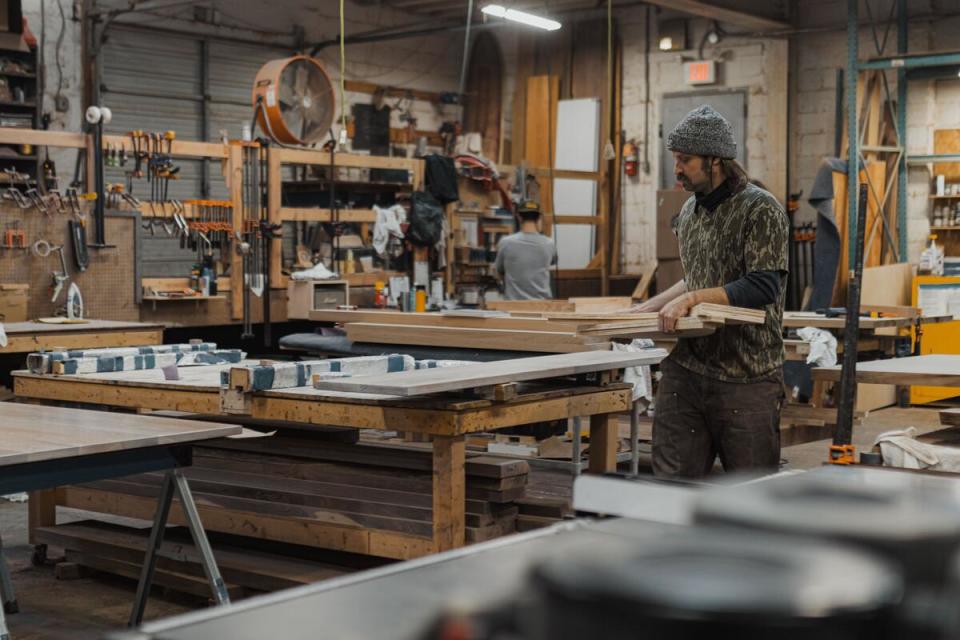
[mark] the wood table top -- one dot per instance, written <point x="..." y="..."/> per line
<point x="33" y="433"/>
<point x="937" y="370"/>
<point x="797" y="319"/>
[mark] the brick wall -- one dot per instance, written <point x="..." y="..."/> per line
<point x="751" y="64"/>
<point x="930" y="104"/>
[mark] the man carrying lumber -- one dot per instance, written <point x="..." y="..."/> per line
<point x="721" y="394"/>
<point x="524" y="258"/>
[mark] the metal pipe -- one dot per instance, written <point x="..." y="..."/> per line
<point x="466" y="49"/>
<point x="363" y="38"/>
<point x="853" y="155"/>
<point x="902" y="44"/>
<point x="843" y="434"/>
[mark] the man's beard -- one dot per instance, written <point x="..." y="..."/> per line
<point x="687" y="185"/>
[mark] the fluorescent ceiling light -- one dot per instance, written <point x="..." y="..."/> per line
<point x="523" y="17"/>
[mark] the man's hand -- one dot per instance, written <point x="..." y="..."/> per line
<point x="674" y="310"/>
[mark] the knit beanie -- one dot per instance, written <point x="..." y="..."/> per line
<point x="703" y="132"/>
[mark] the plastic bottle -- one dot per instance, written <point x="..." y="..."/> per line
<point x="421" y="298"/>
<point x="378" y="297"/>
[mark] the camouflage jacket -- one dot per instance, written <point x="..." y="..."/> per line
<point x="747" y="232"/>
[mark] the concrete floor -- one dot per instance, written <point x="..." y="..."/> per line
<point x="85" y="608"/>
<point x="81" y="609"/>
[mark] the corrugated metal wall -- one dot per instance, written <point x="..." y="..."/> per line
<point x="154" y="82"/>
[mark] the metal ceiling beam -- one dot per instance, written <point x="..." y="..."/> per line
<point x="731" y="16"/>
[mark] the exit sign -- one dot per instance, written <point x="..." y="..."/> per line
<point x="700" y="72"/>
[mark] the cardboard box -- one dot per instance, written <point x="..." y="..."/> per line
<point x="669" y="203"/>
<point x="669" y="272"/>
<point x="13" y="302"/>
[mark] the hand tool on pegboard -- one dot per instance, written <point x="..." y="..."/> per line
<point x="14" y="237"/>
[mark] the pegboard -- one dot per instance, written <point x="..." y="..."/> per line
<point x="107" y="286"/>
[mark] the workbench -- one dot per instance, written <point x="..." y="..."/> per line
<point x="26" y="337"/>
<point x="46" y="447"/>
<point x="448" y="419"/>
<point x="403" y="600"/>
<point x="406" y="600"/>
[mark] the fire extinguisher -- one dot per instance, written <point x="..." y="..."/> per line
<point x="631" y="159"/>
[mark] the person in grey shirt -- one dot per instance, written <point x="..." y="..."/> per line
<point x="524" y="258"/>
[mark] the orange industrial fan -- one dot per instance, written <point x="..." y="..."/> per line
<point x="294" y="100"/>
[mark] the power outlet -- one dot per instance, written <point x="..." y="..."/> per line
<point x="61" y="103"/>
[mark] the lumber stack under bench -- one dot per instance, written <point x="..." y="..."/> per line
<point x="301" y="489"/>
<point x="535" y="326"/>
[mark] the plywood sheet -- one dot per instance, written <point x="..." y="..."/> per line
<point x="425" y="381"/>
<point x="947" y="141"/>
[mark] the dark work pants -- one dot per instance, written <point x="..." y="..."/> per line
<point x="698" y="418"/>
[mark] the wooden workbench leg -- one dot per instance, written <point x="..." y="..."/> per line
<point x="603" y="443"/>
<point x="449" y="495"/>
<point x="41" y="511"/>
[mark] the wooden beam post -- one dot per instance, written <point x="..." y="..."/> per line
<point x="449" y="470"/>
<point x="233" y="172"/>
<point x="273" y="215"/>
<point x="603" y="443"/>
<point x="41" y="511"/>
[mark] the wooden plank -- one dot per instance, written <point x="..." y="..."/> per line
<point x="233" y="173"/>
<point x="41" y="511"/>
<point x="642" y="291"/>
<point x="929" y="370"/>
<point x="509" y="339"/>
<point x="181" y="148"/>
<point x="950" y="417"/>
<point x="104" y="394"/>
<point x="604" y="431"/>
<point x="274" y="202"/>
<point x="81" y="340"/>
<point x="240" y="565"/>
<point x="531" y="305"/>
<point x="483" y="416"/>
<point x="303" y="531"/>
<point x="809" y="319"/>
<point x="183" y="583"/>
<point x="313" y="157"/>
<point x="41" y="138"/>
<point x="440" y="320"/>
<point x="425" y="381"/>
<point x="448" y="492"/>
<point x="317" y="214"/>
<point x="728" y="314"/>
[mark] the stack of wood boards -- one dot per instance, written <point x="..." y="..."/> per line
<point x="537" y="326"/>
<point x="315" y="490"/>
<point x="247" y="568"/>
